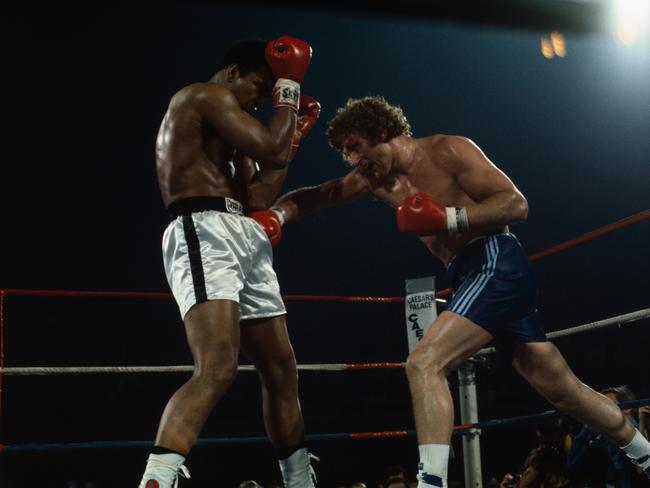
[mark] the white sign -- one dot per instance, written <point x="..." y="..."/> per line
<point x="420" y="307"/>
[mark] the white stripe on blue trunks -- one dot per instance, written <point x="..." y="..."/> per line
<point x="487" y="271"/>
<point x="470" y="294"/>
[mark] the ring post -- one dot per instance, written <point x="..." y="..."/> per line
<point x="469" y="415"/>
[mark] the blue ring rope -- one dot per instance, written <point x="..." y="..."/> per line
<point x="264" y="440"/>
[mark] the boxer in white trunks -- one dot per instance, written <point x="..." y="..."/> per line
<point x="216" y="165"/>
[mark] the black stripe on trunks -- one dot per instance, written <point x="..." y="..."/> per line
<point x="196" y="265"/>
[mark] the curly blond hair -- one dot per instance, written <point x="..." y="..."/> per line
<point x="370" y="116"/>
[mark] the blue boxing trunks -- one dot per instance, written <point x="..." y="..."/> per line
<point x="494" y="287"/>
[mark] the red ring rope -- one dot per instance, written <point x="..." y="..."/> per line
<point x="2" y="349"/>
<point x="632" y="219"/>
<point x="374" y="365"/>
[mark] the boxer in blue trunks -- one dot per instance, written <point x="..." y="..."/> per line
<point x="446" y="191"/>
<point x="494" y="287"/>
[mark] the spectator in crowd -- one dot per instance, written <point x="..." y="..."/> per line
<point x="595" y="461"/>
<point x="75" y="484"/>
<point x="250" y="484"/>
<point x="395" y="473"/>
<point x="396" y="482"/>
<point x="545" y="465"/>
<point x="644" y="420"/>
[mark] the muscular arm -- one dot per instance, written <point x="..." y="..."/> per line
<point x="498" y="201"/>
<point x="304" y="201"/>
<point x="267" y="145"/>
<point x="262" y="186"/>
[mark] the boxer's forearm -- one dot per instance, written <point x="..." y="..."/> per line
<point x="264" y="188"/>
<point x="498" y="210"/>
<point x="304" y="201"/>
<point x="299" y="203"/>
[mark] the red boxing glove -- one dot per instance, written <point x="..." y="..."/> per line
<point x="423" y="215"/>
<point x="307" y="117"/>
<point x="271" y="221"/>
<point x="288" y="57"/>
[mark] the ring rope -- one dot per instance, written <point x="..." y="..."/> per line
<point x="525" y="418"/>
<point x="606" y="229"/>
<point x="37" y="370"/>
<point x="340" y="298"/>
<point x="31" y="370"/>
<point x="462" y="429"/>
<point x="645" y="214"/>
<point x="2" y="349"/>
<point x="618" y="320"/>
<point x="167" y="295"/>
<point x="632" y="219"/>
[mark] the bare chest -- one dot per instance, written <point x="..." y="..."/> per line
<point x="434" y="181"/>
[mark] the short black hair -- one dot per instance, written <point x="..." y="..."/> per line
<point x="247" y="54"/>
<point x="249" y="484"/>
<point x="552" y="430"/>
<point x="396" y="480"/>
<point x="623" y="393"/>
<point x="395" y="470"/>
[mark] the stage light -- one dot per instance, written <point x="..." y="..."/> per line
<point x="547" y="48"/>
<point x="553" y="45"/>
<point x="632" y="19"/>
<point x="558" y="43"/>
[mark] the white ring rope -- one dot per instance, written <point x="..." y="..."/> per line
<point x="618" y="320"/>
<point x="35" y="370"/>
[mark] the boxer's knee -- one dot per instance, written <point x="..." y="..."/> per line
<point x="424" y="365"/>
<point x="217" y="373"/>
<point x="563" y="397"/>
<point x="561" y="388"/>
<point x="280" y="375"/>
<point x="543" y="366"/>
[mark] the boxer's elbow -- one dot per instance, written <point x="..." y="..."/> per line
<point x="261" y="198"/>
<point x="270" y="155"/>
<point x="274" y="161"/>
<point x="276" y="156"/>
<point x="519" y="207"/>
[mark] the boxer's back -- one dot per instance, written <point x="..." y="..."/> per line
<point x="191" y="158"/>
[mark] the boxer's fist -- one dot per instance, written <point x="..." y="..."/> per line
<point x="271" y="222"/>
<point x="307" y="117"/>
<point x="423" y="215"/>
<point x="288" y="57"/>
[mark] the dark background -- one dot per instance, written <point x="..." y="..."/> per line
<point x="83" y="93"/>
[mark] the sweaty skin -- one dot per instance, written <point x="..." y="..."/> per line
<point x="196" y="151"/>
<point x="207" y="145"/>
<point x="452" y="169"/>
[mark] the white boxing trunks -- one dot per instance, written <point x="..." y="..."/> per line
<point x="211" y="251"/>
